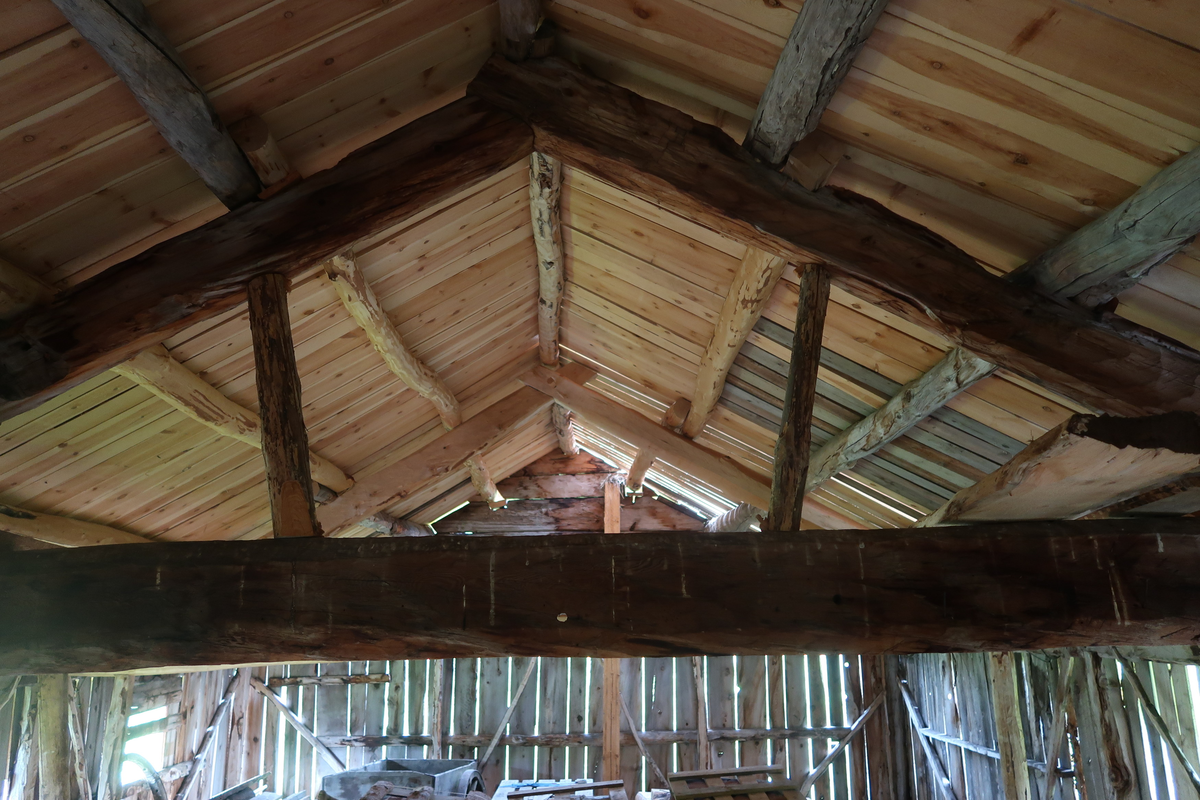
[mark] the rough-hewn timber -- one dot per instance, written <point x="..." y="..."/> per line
<point x="653" y="151"/>
<point x="518" y="23"/>
<point x="794" y="445"/>
<point x="284" y="435"/>
<point x="1109" y="254"/>
<point x="133" y="45"/>
<point x="825" y="38"/>
<point x="988" y="587"/>
<point x="142" y="301"/>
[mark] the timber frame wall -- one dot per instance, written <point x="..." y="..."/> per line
<point x="387" y="710"/>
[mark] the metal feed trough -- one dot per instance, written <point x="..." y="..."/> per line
<point x="447" y="776"/>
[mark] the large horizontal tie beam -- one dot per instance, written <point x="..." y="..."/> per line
<point x="133" y="45"/>
<point x="652" y="151"/>
<point x="1037" y="585"/>
<point x="192" y="277"/>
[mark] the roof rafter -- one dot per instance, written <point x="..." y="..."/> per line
<point x="129" y="41"/>
<point x="653" y="151"/>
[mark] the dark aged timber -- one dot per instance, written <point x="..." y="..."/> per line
<point x="1000" y="586"/>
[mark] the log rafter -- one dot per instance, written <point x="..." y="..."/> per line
<point x="360" y="300"/>
<point x="545" y="190"/>
<point x="129" y="41"/>
<point x="824" y="41"/>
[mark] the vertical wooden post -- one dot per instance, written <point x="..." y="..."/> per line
<point x="285" y="439"/>
<point x="610" y="765"/>
<point x="112" y="743"/>
<point x="1010" y="734"/>
<point x="795" y="437"/>
<point x="54" y="747"/>
<point x="875" y="734"/>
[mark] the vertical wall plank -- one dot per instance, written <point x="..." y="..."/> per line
<point x="631" y="756"/>
<point x="596" y="717"/>
<point x="237" y="742"/>
<point x="1151" y="775"/>
<point x="271" y="737"/>
<point x="290" y="750"/>
<point x="307" y="711"/>
<point x="552" y="761"/>
<point x="856" y="704"/>
<point x="721" y="712"/>
<point x="685" y="712"/>
<point x="255" y="710"/>
<point x="55" y="778"/>
<point x="332" y="717"/>
<point x="493" y="702"/>
<point x="397" y="693"/>
<point x="777" y="707"/>
<point x="577" y="764"/>
<point x="374" y="697"/>
<point x="466" y="688"/>
<point x="818" y="682"/>
<point x="752" y="705"/>
<point x="660" y="709"/>
<point x="799" y="750"/>
<point x="524" y="719"/>
<point x="875" y="734"/>
<point x="418" y="677"/>
<point x="1187" y="722"/>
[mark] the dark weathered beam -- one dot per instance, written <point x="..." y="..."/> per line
<point x="695" y="170"/>
<point x="794" y="444"/>
<point x="144" y="300"/>
<point x="824" y="41"/>
<point x="986" y="587"/>
<point x="133" y="45"/>
<point x="284" y="435"/>
<point x="518" y="23"/>
<point x="1111" y="253"/>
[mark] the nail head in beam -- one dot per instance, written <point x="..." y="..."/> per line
<point x="792" y="448"/>
<point x="132" y="44"/>
<point x="284" y="436"/>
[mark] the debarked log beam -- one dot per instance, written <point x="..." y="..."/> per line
<point x="142" y="301"/>
<point x="697" y="171"/>
<point x="1029" y="585"/>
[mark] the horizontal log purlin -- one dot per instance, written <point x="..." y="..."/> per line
<point x="695" y="170"/>
<point x="988" y="587"/>
<point x="194" y="276"/>
<point x="588" y="739"/>
<point x="327" y="680"/>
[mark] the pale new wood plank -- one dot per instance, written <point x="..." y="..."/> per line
<point x="1085" y="463"/>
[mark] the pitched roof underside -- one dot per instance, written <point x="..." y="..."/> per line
<point x="998" y="132"/>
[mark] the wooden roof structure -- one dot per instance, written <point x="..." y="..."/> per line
<point x="379" y="155"/>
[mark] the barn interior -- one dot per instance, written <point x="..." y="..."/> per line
<point x="630" y="399"/>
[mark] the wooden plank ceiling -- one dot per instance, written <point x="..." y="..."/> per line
<point x="1002" y="127"/>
